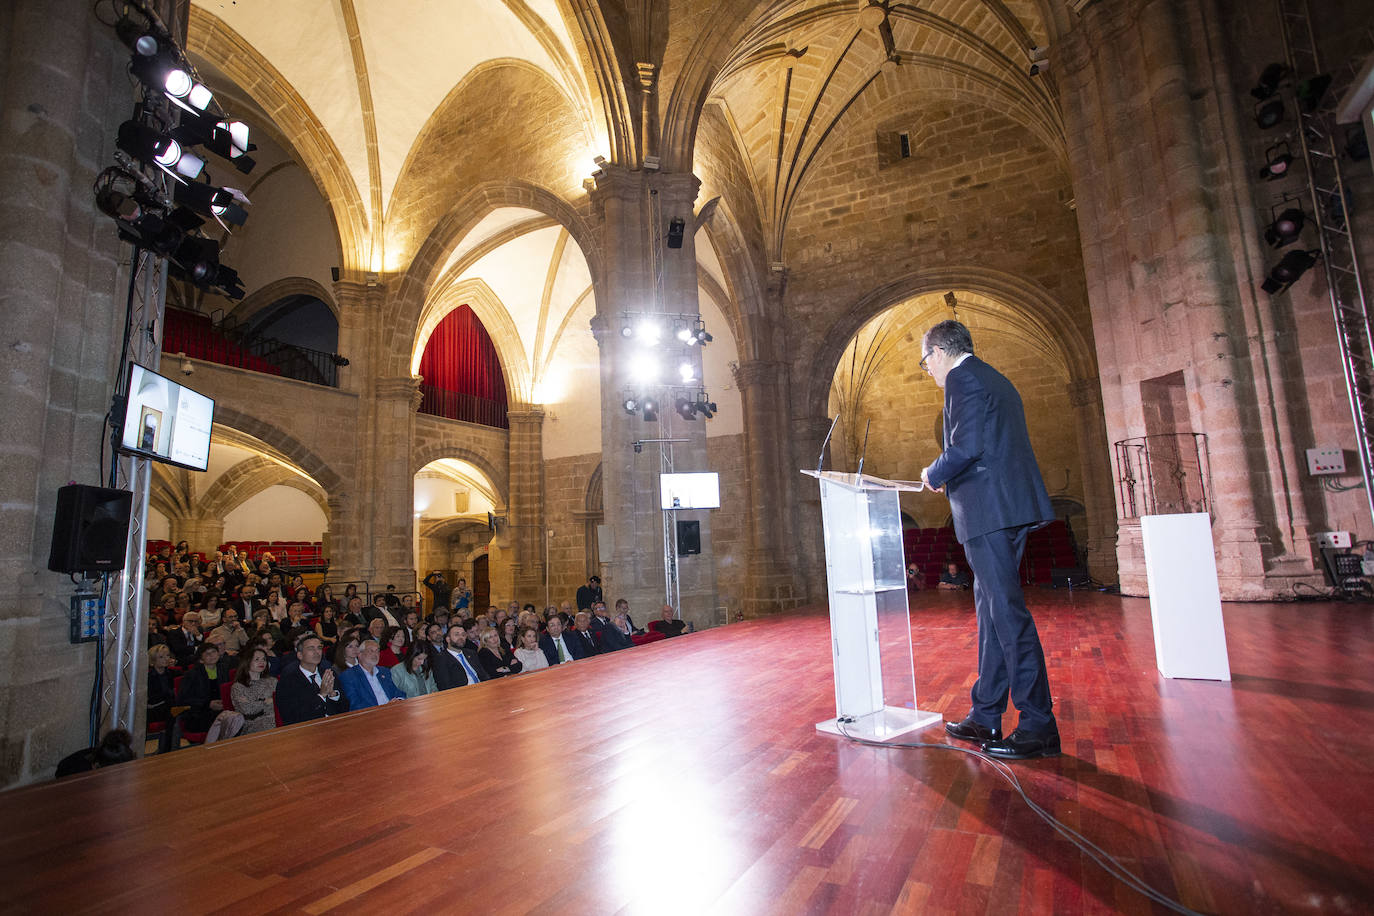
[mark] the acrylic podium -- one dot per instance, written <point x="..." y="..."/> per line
<point x="870" y="625"/>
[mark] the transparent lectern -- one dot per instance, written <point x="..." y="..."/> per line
<point x="870" y="625"/>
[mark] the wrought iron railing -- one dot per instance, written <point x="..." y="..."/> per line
<point x="1162" y="475"/>
<point x="467" y="407"/>
<point x="201" y="337"/>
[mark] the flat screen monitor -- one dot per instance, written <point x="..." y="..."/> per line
<point x="700" y="490"/>
<point x="166" y="421"/>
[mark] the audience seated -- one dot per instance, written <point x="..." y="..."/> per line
<point x="582" y="636"/>
<point x="557" y="649"/>
<point x="454" y="667"/>
<point x="306" y="688"/>
<point x="235" y="636"/>
<point x="529" y="654"/>
<point x="380" y="610"/>
<point x="346" y="652"/>
<point x="254" y="691"/>
<point x="496" y="659"/>
<point x="668" y="623"/>
<point x="953" y="577"/>
<point x="161" y="693"/>
<point x="395" y="643"/>
<point x="620" y="635"/>
<point x="185" y="640"/>
<point x="413" y="675"/>
<point x="327" y="626"/>
<point x="199" y="690"/>
<point x="367" y="683"/>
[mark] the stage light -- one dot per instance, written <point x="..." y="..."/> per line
<point x="685" y="334"/>
<point x="1289" y="270"/>
<point x="631" y="405"/>
<point x="707" y="408"/>
<point x="649" y="410"/>
<point x="224" y="204"/>
<point x="196" y="260"/>
<point x="645" y="368"/>
<point x="1269" y="112"/>
<point x="152" y="148"/>
<point x="686" y="409"/>
<point x="1277" y="161"/>
<point x="1285" y="228"/>
<point x="687" y="372"/>
<point x="698" y="336"/>
<point x="226" y="139"/>
<point x="1269" y="81"/>
<point x="648" y="332"/>
<point x="627" y="331"/>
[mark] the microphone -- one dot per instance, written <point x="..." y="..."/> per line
<point x="820" y="461"/>
<point x="860" y="472"/>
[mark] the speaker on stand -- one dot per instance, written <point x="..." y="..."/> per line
<point x="90" y="532"/>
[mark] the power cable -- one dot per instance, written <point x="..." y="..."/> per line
<point x="1105" y="860"/>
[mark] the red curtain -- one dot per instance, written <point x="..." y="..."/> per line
<point x="461" y="358"/>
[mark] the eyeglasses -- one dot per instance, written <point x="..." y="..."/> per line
<point x="928" y="354"/>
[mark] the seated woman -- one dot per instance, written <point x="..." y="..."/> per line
<point x="346" y="653"/>
<point x="253" y="691"/>
<point x="509" y="626"/>
<point x="413" y="676"/>
<point x="200" y="690"/>
<point x="263" y="623"/>
<point x="375" y="628"/>
<point x="327" y="626"/>
<point x="161" y="693"/>
<point x="530" y="656"/>
<point x="395" y="643"/>
<point x="496" y="659"/>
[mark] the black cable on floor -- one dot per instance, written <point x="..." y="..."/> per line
<point x="1108" y="863"/>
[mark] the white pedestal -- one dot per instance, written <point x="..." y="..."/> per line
<point x="1185" y="601"/>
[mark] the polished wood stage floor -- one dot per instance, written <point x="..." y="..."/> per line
<point x="687" y="776"/>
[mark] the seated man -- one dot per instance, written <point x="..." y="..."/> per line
<point x="185" y="640"/>
<point x="456" y="666"/>
<point x="954" y="577"/>
<point x="915" y="579"/>
<point x="669" y="624"/>
<point x="367" y="683"/>
<point x="305" y="688"/>
<point x="623" y="607"/>
<point x="620" y="634"/>
<point x="557" y="649"/>
<point x="582" y="636"/>
<point x="235" y="636"/>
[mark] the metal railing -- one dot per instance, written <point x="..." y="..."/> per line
<point x="469" y="408"/>
<point x="219" y="340"/>
<point x="1162" y="475"/>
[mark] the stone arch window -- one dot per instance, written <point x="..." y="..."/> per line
<point x="462" y="372"/>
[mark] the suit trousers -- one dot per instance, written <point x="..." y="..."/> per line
<point x="1011" y="660"/>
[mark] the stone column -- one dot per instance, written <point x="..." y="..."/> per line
<point x="770" y="585"/>
<point x="1153" y="250"/>
<point x="627" y="201"/>
<point x="200" y="532"/>
<point x="390" y="491"/>
<point x="1085" y="395"/>
<point x="525" y="515"/>
<point x="61" y="309"/>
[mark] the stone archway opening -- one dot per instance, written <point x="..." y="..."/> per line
<point x="459" y="518"/>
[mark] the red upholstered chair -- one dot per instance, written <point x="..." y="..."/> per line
<point x="193" y="737"/>
<point x="640" y="639"/>
<point x="224" y="695"/>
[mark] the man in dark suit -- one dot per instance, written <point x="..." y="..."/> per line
<point x="997" y="497"/>
<point x="557" y="647"/>
<point x="185" y="640"/>
<point x="305" y="687"/>
<point x="455" y="666"/>
<point x="582" y="636"/>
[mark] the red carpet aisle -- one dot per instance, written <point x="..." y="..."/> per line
<point x="686" y="776"/>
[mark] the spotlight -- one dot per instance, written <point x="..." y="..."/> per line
<point x="1269" y="112"/>
<point x="687" y="372"/>
<point x="706" y="408"/>
<point x="1288" y="270"/>
<point x="686" y="409"/>
<point x="649" y="409"/>
<point x="1277" y="161"/>
<point x="152" y="148"/>
<point x="627" y="331"/>
<point x="631" y="405"/>
<point x="1269" y="81"/>
<point x="648" y="333"/>
<point x="226" y="139"/>
<point x="685" y="334"/>
<point x="224" y="204"/>
<point x="1311" y="90"/>
<point x="644" y="368"/>
<point x="197" y="261"/>
<point x="698" y="335"/>
<point x="1286" y="228"/>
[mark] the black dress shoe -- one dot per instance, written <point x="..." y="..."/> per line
<point x="969" y="730"/>
<point x="1021" y="745"/>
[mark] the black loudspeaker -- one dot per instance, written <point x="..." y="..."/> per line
<point x="676" y="228"/>
<point x="688" y="538"/>
<point x="90" y="531"/>
<point x="334" y="273"/>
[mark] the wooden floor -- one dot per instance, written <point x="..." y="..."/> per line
<point x="687" y="777"/>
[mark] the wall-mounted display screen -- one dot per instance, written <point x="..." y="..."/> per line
<point x="700" y="490"/>
<point x="166" y="421"/>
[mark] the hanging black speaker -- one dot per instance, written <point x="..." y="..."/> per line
<point x="90" y="531"/>
<point x="688" y="538"/>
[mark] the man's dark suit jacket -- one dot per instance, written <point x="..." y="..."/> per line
<point x="298" y="700"/>
<point x="448" y="673"/>
<point x="987" y="467"/>
<point x="586" y="642"/>
<point x="183" y="649"/>
<point x="551" y="651"/>
<point x="612" y="639"/>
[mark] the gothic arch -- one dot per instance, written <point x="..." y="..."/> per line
<point x="305" y="136"/>
<point x="495" y="318"/>
<point x="1077" y="349"/>
<point x="261" y="298"/>
<point x="407" y="305"/>
<point x="291" y="448"/>
<point x="250" y="477"/>
<point x="429" y="452"/>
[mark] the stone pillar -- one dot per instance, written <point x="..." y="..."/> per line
<point x="769" y="585"/>
<point x="61" y="309"/>
<point x="1154" y="251"/>
<point x="391" y="487"/>
<point x="201" y="533"/>
<point x="343" y="542"/>
<point x="525" y="515"/>
<point x="629" y="202"/>
<point x="1085" y="395"/>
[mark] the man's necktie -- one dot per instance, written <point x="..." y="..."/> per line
<point x="561" y="657"/>
<point x="472" y="674"/>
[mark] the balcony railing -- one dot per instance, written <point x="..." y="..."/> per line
<point x="199" y="338"/>
<point x="1162" y="475"/>
<point x="466" y="407"/>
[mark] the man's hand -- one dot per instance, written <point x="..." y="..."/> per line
<point x="925" y="479"/>
<point x="327" y="683"/>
